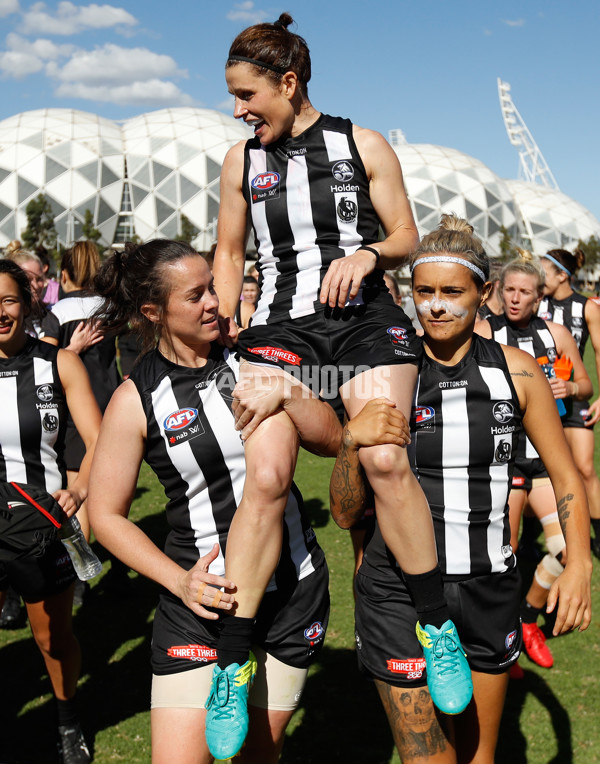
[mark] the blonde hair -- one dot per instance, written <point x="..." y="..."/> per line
<point x="81" y="263"/>
<point x="527" y="264"/>
<point x="454" y="236"/>
<point x="12" y="246"/>
<point x="21" y="256"/>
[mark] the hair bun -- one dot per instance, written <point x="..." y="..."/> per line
<point x="579" y="256"/>
<point x="525" y="255"/>
<point x="284" y="21"/>
<point x="451" y="222"/>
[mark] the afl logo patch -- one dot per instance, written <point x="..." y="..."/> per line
<point x="314" y="633"/>
<point x="510" y="639"/>
<point x="265" y="186"/>
<point x="45" y="393"/>
<point x="503" y="411"/>
<point x="423" y="414"/>
<point x="347" y="210"/>
<point x="266" y="180"/>
<point x="546" y="315"/>
<point x="343" y="171"/>
<point x="397" y="335"/>
<point x="178" y="420"/>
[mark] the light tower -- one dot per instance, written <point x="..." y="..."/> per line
<point x="532" y="165"/>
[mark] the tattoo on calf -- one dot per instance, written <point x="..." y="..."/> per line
<point x="415" y="725"/>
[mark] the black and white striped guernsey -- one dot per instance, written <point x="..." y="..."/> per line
<point x="198" y="457"/>
<point x="569" y="312"/>
<point x="309" y="203"/>
<point x="33" y="415"/>
<point x="464" y="430"/>
<point x="535" y="339"/>
<point x="100" y="359"/>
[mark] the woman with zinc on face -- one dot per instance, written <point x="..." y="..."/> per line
<point x="464" y="459"/>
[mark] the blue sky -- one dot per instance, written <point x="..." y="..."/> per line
<point x="427" y="68"/>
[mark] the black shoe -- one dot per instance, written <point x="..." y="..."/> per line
<point x="595" y="547"/>
<point x="72" y="748"/>
<point x="82" y="589"/>
<point x="11" y="612"/>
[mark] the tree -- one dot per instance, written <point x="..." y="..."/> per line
<point x="591" y="250"/>
<point x="508" y="248"/>
<point x="40" y="234"/>
<point x="88" y="230"/>
<point x="188" y="230"/>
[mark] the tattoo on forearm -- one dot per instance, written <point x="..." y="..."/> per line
<point x="522" y="373"/>
<point x="347" y="488"/>
<point x="563" y="509"/>
<point x="415" y="725"/>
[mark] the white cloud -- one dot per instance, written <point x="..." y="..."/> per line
<point x="16" y="64"/>
<point x="112" y="65"/>
<point x="23" y="57"/>
<point x="71" y="19"/>
<point x="42" y="48"/>
<point x="246" y="12"/>
<point x="148" y="93"/>
<point x="8" y="6"/>
<point x="514" y="22"/>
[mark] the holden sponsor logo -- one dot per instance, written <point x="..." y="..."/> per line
<point x="198" y="653"/>
<point x="45" y="392"/>
<point x="503" y="411"/>
<point x="510" y="639"/>
<point x="340" y="188"/>
<point x="552" y="355"/>
<point x="577" y="321"/>
<point x="277" y="354"/>
<point x="347" y="210"/>
<point x="343" y="171"/>
<point x="314" y="633"/>
<point x="398" y="335"/>
<point x="503" y="430"/>
<point x="423" y="414"/>
<point x="265" y="186"/>
<point x="412" y="668"/>
<point x="507" y="549"/>
<point x="178" y="420"/>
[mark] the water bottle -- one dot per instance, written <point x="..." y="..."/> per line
<point x="548" y="370"/>
<point x="85" y="562"/>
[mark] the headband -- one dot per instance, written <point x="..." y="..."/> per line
<point x="256" y="62"/>
<point x="558" y="265"/>
<point x="448" y="259"/>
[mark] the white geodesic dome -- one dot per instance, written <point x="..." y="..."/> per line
<point x="442" y="180"/>
<point x="174" y="159"/>
<point x="72" y="157"/>
<point x="550" y="219"/>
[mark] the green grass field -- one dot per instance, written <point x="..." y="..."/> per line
<point x="551" y="716"/>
